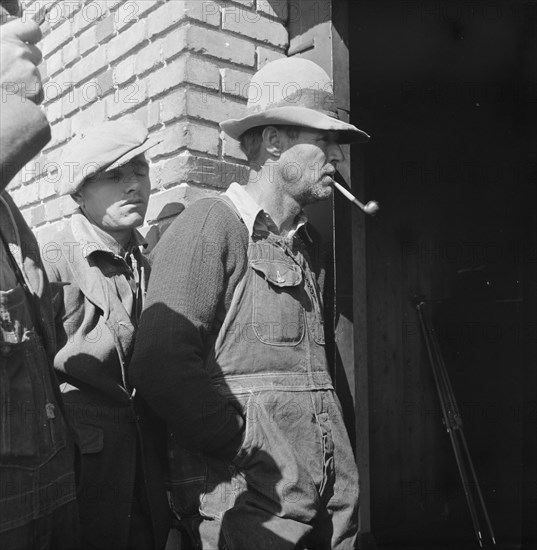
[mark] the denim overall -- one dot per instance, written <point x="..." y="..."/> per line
<point x="293" y="483"/>
<point x="36" y="448"/>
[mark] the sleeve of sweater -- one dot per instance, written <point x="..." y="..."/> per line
<point x="193" y="265"/>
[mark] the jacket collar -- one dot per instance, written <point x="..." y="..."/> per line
<point x="93" y="239"/>
<point x="92" y="283"/>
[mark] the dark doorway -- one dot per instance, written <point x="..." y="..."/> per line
<point x="448" y="92"/>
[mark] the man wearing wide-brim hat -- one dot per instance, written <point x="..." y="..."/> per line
<point x="234" y="327"/>
<point x="99" y="274"/>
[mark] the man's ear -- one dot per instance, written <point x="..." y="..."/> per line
<point x="272" y="141"/>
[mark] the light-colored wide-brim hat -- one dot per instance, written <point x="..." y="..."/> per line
<point x="295" y="92"/>
<point x="101" y="148"/>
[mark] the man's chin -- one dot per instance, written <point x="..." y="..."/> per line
<point x="132" y="221"/>
<point x="318" y="197"/>
<point x="325" y="193"/>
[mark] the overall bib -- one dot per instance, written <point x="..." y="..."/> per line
<point x="294" y="482"/>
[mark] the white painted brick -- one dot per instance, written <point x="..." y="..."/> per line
<point x="126" y="98"/>
<point x="223" y="46"/>
<point x="53" y="209"/>
<point x="46" y="188"/>
<point x="55" y="39"/>
<point x="94" y="114"/>
<point x="254" y="25"/>
<point x="236" y="82"/>
<point x="211" y="107"/>
<point x="173" y="106"/>
<point x="132" y="10"/>
<point x="184" y="69"/>
<point x="89" y="65"/>
<point x="174" y="12"/>
<point x="53" y="111"/>
<point x="274" y="8"/>
<point x="231" y="148"/>
<point x="127" y="41"/>
<point x="54" y="64"/>
<point x="149" y="58"/>
<point x="194" y="136"/>
<point x="87" y="41"/>
<point x="124" y="70"/>
<point x="266" y="55"/>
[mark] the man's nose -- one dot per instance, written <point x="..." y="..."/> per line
<point x="335" y="154"/>
<point x="132" y="181"/>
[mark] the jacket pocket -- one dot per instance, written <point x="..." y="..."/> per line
<point x="278" y="302"/>
<point x="246" y="403"/>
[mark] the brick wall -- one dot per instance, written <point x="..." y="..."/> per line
<point x="179" y="66"/>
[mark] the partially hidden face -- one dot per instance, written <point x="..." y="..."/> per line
<point x="117" y="200"/>
<point x="309" y="163"/>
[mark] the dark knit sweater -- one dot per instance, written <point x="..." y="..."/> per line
<point x="197" y="265"/>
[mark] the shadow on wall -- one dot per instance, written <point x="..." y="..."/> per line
<point x="165" y="218"/>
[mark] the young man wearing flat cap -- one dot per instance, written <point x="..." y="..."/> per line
<point x="233" y="331"/>
<point x="100" y="277"/>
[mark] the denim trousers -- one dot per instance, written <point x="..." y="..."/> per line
<point x="293" y="483"/>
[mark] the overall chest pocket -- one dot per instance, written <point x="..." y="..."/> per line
<point x="31" y="425"/>
<point x="15" y="318"/>
<point x="278" y="310"/>
<point x="18" y="438"/>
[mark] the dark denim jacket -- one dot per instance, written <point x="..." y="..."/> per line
<point x="36" y="450"/>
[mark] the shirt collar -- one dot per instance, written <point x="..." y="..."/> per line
<point x="254" y="217"/>
<point x="93" y="239"/>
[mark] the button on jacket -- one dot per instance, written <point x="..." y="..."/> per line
<point x="98" y="293"/>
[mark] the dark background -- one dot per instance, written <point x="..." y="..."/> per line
<point x="448" y="92"/>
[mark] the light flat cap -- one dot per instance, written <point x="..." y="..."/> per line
<point x="99" y="149"/>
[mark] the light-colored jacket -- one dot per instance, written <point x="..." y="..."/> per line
<point x="96" y="331"/>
